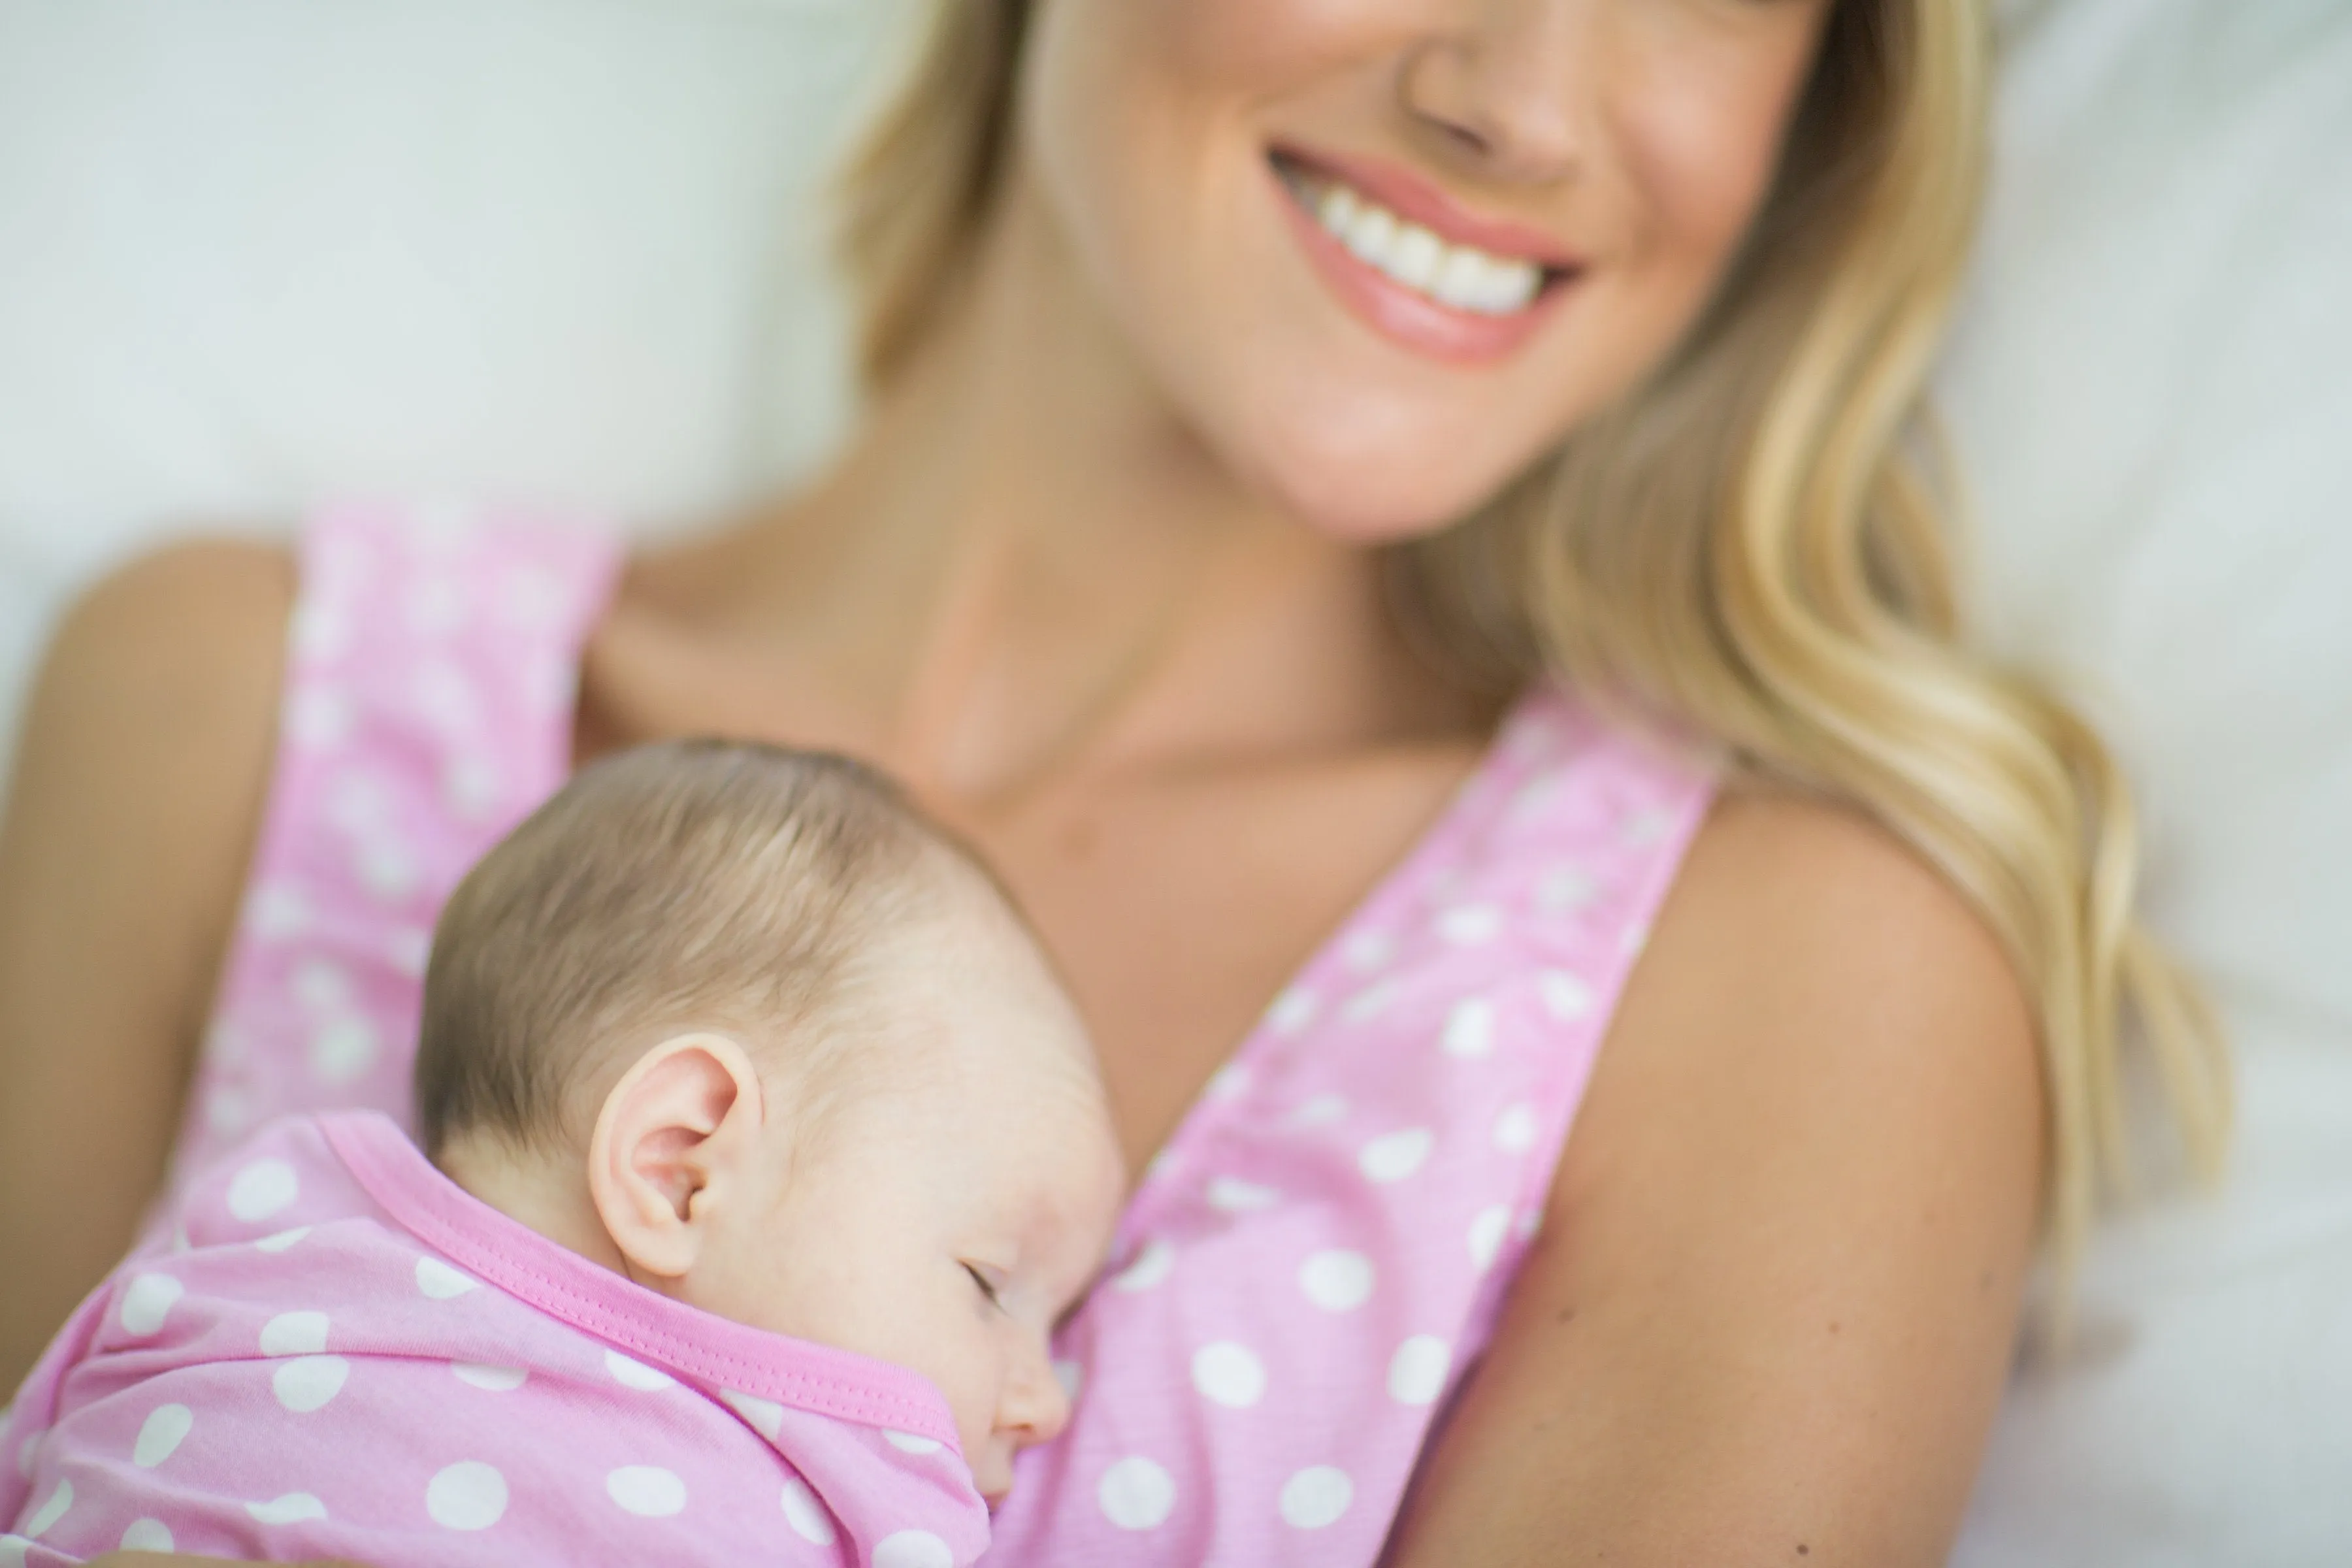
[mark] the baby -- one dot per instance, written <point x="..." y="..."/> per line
<point x="764" y="1152"/>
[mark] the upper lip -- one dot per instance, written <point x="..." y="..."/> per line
<point x="1418" y="200"/>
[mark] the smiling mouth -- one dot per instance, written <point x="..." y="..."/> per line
<point x="1455" y="275"/>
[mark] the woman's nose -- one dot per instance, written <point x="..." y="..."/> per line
<point x="1509" y="85"/>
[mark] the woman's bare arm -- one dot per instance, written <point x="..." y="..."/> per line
<point x="128" y="827"/>
<point x="1771" y="1310"/>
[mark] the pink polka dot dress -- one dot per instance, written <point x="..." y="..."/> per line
<point x="345" y="1356"/>
<point x="1308" y="1269"/>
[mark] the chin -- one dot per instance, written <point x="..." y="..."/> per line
<point x="1374" y="491"/>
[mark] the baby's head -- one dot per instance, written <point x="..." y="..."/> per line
<point x="739" y="1022"/>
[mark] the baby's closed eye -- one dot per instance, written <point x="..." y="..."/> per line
<point x="988" y="1287"/>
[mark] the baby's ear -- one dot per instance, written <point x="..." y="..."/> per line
<point x="674" y="1136"/>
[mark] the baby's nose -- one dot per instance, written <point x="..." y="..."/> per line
<point x="1034" y="1409"/>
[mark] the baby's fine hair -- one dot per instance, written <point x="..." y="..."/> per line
<point x="705" y="883"/>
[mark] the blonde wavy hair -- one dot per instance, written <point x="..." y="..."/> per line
<point x="1752" y="541"/>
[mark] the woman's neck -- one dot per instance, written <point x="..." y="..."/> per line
<point x="1028" y="561"/>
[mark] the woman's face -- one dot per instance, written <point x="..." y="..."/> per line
<point x="1381" y="255"/>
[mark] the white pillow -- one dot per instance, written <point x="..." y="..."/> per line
<point x="2152" y="393"/>
<point x="260" y="251"/>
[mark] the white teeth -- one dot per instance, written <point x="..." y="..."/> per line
<point x="1369" y="234"/>
<point x="1463" y="282"/>
<point x="1337" y="209"/>
<point x="1457" y="276"/>
<point x="1416" y="256"/>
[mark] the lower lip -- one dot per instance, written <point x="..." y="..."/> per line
<point x="1408" y="319"/>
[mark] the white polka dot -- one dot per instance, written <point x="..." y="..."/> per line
<point x="1535" y="799"/>
<point x="1486" y="1233"/>
<point x="481" y="1374"/>
<point x="435" y="607"/>
<point x="470" y="784"/>
<point x="28" y="1453"/>
<point x="1417" y="1372"/>
<point x="1529" y="741"/>
<point x="321" y="631"/>
<point x="1470" y="1029"/>
<point x="1317" y="1496"/>
<point x="1633" y="940"/>
<point x="49" y="1512"/>
<point x="1322" y="1110"/>
<point x="1393" y="1156"/>
<point x="308" y="1383"/>
<point x="1234" y="1195"/>
<point x="1230" y="1081"/>
<point x="1369" y="949"/>
<point x="534" y="597"/>
<point x="282" y="1239"/>
<point x="1136" y="1494"/>
<point x="360" y="802"/>
<point x="276" y="912"/>
<point x="1565" y="997"/>
<point x="646" y="1491"/>
<point x="146" y="1302"/>
<point x="765" y="1416"/>
<point x="1517" y="1130"/>
<point x="912" y="1549"/>
<point x="1070" y="1375"/>
<point x="166" y="1427"/>
<point x="440" y="1281"/>
<point x="228" y="1110"/>
<point x="1646" y="827"/>
<point x="225" y="1044"/>
<point x="910" y="1442"/>
<point x="1565" y="891"/>
<point x="1150" y="1266"/>
<point x="637" y="1375"/>
<point x="446" y="698"/>
<point x="318" y="720"/>
<point x="321" y="986"/>
<point x="1292" y="1011"/>
<point x="807" y="1516"/>
<point x="292" y="1509"/>
<point x="1229" y="1375"/>
<point x="387" y="868"/>
<point x="1370" y="1002"/>
<point x="1471" y="924"/>
<point x="148" y="1535"/>
<point x="1336" y="1281"/>
<point x="262" y="1189"/>
<point x="294" y="1333"/>
<point x="12" y="1549"/>
<point x="409" y="948"/>
<point x="343" y="1048"/>
<point x="467" y="1495"/>
<point x="553" y="686"/>
<point x="180" y="1242"/>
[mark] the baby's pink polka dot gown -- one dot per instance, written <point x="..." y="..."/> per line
<point x="1311" y="1265"/>
<point x="345" y="1356"/>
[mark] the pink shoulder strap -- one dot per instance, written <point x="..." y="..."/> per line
<point x="431" y="666"/>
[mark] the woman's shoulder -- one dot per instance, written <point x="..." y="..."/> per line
<point x="172" y="659"/>
<point x="1794" y="876"/>
<point x="1809" y="962"/>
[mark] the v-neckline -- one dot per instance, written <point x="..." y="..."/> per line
<point x="1466" y="808"/>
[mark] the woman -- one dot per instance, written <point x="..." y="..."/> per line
<point x="1218" y="539"/>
